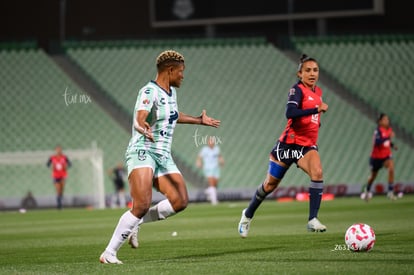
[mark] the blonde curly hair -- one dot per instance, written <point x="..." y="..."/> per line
<point x="168" y="58"/>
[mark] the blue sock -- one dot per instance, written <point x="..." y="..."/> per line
<point x="315" y="198"/>
<point x="59" y="202"/>
<point x="390" y="186"/>
<point x="255" y="202"/>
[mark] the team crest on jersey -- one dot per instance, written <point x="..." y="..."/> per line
<point x="292" y="92"/>
<point x="141" y="155"/>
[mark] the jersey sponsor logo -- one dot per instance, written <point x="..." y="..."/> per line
<point x="173" y="116"/>
<point x="162" y="101"/>
<point x="291" y="92"/>
<point x="165" y="134"/>
<point x="147" y="91"/>
<point x="146" y="101"/>
<point x="310" y="98"/>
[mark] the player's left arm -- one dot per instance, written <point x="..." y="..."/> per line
<point x="68" y="162"/>
<point x="49" y="162"/>
<point x="221" y="160"/>
<point x="392" y="136"/>
<point x="203" y="119"/>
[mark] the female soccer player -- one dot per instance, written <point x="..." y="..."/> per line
<point x="210" y="160"/>
<point x="381" y="156"/>
<point x="60" y="163"/>
<point x="148" y="156"/>
<point x="297" y="144"/>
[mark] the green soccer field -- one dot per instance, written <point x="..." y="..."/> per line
<point x="207" y="241"/>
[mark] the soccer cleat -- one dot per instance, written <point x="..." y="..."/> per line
<point x="391" y="195"/>
<point x="315" y="225"/>
<point x="244" y="225"/>
<point x="366" y="196"/>
<point x="109" y="258"/>
<point x="133" y="238"/>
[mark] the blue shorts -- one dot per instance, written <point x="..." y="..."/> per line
<point x="160" y="165"/>
<point x="58" y="180"/>
<point x="377" y="164"/>
<point x="290" y="153"/>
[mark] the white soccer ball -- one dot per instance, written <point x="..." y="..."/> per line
<point x="360" y="237"/>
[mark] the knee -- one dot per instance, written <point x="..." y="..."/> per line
<point x="317" y="174"/>
<point x="270" y="184"/>
<point x="182" y="205"/>
<point x="139" y="210"/>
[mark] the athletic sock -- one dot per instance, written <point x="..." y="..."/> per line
<point x="160" y="211"/>
<point x="121" y="199"/>
<point x="59" y="200"/>
<point x="315" y="198"/>
<point x="213" y="195"/>
<point x="126" y="224"/>
<point x="390" y="187"/>
<point x="255" y="202"/>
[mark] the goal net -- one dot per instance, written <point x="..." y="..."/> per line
<point x="22" y="173"/>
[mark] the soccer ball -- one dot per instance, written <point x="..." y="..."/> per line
<point x="360" y="237"/>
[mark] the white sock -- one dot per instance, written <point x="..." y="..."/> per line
<point x="213" y="195"/>
<point x="126" y="224"/>
<point x="160" y="211"/>
<point x="121" y="198"/>
<point x="113" y="201"/>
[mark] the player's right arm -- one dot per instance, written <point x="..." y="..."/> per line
<point x="142" y="126"/>
<point x="199" y="162"/>
<point x="145" y="101"/>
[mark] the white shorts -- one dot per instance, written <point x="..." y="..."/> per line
<point x="212" y="172"/>
<point x="160" y="165"/>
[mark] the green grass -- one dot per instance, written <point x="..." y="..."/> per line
<point x="70" y="241"/>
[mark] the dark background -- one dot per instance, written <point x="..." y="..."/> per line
<point x="39" y="20"/>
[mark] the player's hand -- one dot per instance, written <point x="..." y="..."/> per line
<point x="209" y="121"/>
<point x="323" y="107"/>
<point x="148" y="132"/>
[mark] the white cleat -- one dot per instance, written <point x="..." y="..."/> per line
<point x="244" y="225"/>
<point x="109" y="258"/>
<point x="367" y="196"/>
<point x="133" y="238"/>
<point x="315" y="225"/>
<point x="391" y="195"/>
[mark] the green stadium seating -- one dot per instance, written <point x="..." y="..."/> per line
<point x="245" y="85"/>
<point x="37" y="117"/>
<point x="243" y="82"/>
<point x="375" y="69"/>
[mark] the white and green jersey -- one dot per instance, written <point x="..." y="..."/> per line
<point x="162" y="117"/>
